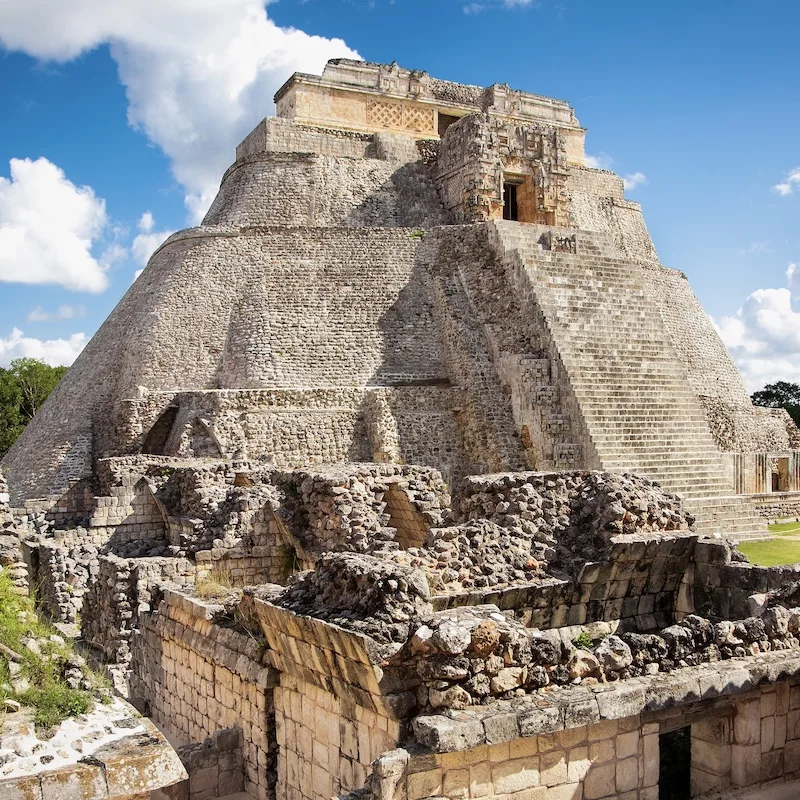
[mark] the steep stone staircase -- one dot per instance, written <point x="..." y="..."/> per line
<point x="638" y="408"/>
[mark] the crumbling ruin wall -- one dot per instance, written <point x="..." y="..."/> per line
<point x="332" y="719"/>
<point x="197" y="678"/>
<point x="740" y="741"/>
<point x="11" y="557"/>
<point x="310" y="190"/>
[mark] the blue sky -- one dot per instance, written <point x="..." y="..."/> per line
<point x="118" y="119"/>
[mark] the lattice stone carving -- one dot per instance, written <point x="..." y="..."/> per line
<point x="418" y="119"/>
<point x="382" y="114"/>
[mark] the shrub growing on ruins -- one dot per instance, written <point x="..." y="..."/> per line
<point x="37" y="667"/>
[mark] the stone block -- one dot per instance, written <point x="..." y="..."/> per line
<point x="627" y="774"/>
<point x="712" y="758"/>
<point x="515" y="776"/>
<point x="77" y="782"/>
<point x="424" y="784"/>
<point x="600" y="782"/>
<point x="456" y="784"/>
<point x="747" y="723"/>
<point x="745" y="765"/>
<point x="553" y="768"/>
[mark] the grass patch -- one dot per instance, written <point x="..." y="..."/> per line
<point x="785" y="528"/>
<point x="772" y="552"/>
<point x="48" y="693"/>
<point x="218" y="583"/>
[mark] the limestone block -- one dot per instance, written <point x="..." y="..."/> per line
<point x="627" y="774"/>
<point x="747" y="723"/>
<point x="516" y="775"/>
<point x="600" y="782"/>
<point x="745" y="764"/>
<point x="424" y="784"/>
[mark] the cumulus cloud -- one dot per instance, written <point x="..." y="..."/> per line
<point x="634" y="179"/>
<point x="600" y="161"/>
<point x="56" y="352"/>
<point x="788" y="185"/>
<point x="476" y="8"/>
<point x="198" y="75"/>
<point x="147" y="240"/>
<point x="47" y="228"/>
<point x="38" y="314"/>
<point x="764" y="335"/>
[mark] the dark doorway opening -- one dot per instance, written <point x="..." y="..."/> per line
<point x="510" y="209"/>
<point x="156" y="439"/>
<point x="445" y="121"/>
<point x="675" y="766"/>
<point x="776" y="482"/>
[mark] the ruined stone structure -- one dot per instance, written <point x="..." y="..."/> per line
<point x="421" y="384"/>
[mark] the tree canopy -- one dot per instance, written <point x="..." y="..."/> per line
<point x="24" y="386"/>
<point x="780" y="395"/>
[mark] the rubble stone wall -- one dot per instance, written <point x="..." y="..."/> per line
<point x="738" y="742"/>
<point x="778" y="505"/>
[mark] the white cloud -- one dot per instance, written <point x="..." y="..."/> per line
<point x="38" y="314"/>
<point x="56" y="352"/>
<point x="764" y="336"/>
<point x="600" y="161"/>
<point x="47" y="228"/>
<point x="198" y="74"/>
<point x="476" y="8"/>
<point x="788" y="186"/>
<point x="756" y="248"/>
<point x="634" y="179"/>
<point x="147" y="240"/>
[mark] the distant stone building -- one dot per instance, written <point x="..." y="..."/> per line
<point x="420" y="378"/>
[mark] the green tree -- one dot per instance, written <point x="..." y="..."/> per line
<point x="780" y="395"/>
<point x="24" y="386"/>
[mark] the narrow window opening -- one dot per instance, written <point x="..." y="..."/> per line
<point x="510" y="209"/>
<point x="675" y="765"/>
<point x="445" y="121"/>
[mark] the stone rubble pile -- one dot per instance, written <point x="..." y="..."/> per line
<point x="471" y="655"/>
<point x="345" y="508"/>
<point x="10" y="556"/>
<point x="362" y="593"/>
<point x="570" y="517"/>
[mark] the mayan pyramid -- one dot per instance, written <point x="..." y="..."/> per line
<point x="403" y="269"/>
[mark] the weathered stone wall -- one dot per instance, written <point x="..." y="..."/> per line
<point x="778" y="505"/>
<point x="215" y="767"/>
<point x="719" y="584"/>
<point x="274" y="135"/>
<point x="332" y="719"/>
<point x="198" y="678"/>
<point x="737" y="742"/>
<point x="310" y="190"/>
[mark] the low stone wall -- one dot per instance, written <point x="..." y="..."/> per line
<point x="215" y="767"/>
<point x="197" y="678"/>
<point x="604" y="745"/>
<point x="777" y="505"/>
<point x="717" y="586"/>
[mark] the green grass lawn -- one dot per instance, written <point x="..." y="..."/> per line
<point x="785" y="528"/>
<point x="772" y="552"/>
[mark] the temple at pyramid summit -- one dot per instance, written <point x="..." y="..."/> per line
<point x="412" y="473"/>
